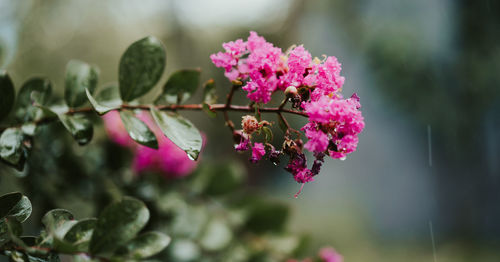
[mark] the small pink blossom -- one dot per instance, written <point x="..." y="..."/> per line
<point x="299" y="63"/>
<point x="317" y="140"/>
<point x="303" y="175"/>
<point x="258" y="151"/>
<point x="328" y="254"/>
<point x="244" y="144"/>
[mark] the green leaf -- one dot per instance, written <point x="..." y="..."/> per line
<point x="268" y="134"/>
<point x="12" y="150"/>
<point x="58" y="221"/>
<point x="29" y="129"/>
<point x="209" y="95"/>
<point x="79" y="234"/>
<point x="106" y="100"/>
<point x="118" y="224"/>
<point x="15" y="206"/>
<point x="24" y="104"/>
<point x="138" y="130"/>
<point x="144" y="245"/>
<point x="180" y="130"/>
<point x="8" y="94"/>
<point x="180" y="86"/>
<point x="76" y="234"/>
<point x="10" y="230"/>
<point x="79" y="126"/>
<point x="141" y="66"/>
<point x="206" y="109"/>
<point x="79" y="76"/>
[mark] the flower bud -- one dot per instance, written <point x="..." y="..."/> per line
<point x="291" y="91"/>
<point x="249" y="124"/>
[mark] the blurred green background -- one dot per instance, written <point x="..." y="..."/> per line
<point x="426" y="175"/>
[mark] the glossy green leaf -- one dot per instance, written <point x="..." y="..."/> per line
<point x="106" y="100"/>
<point x="141" y="66"/>
<point x="209" y="92"/>
<point x="57" y="222"/>
<point x="80" y="233"/>
<point x="144" y="245"/>
<point x="15" y="206"/>
<point x="7" y="92"/>
<point x="118" y="224"/>
<point x="79" y="76"/>
<point x="12" y="150"/>
<point x="24" y="104"/>
<point x="79" y="126"/>
<point x="180" y="86"/>
<point x="180" y="131"/>
<point x="138" y="130"/>
<point x="10" y="230"/>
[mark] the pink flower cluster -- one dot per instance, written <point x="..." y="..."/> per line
<point x="326" y="254"/>
<point x="312" y="85"/>
<point x="255" y="61"/>
<point x="168" y="159"/>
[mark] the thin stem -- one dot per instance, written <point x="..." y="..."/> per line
<point x="288" y="127"/>
<point x="229" y="99"/>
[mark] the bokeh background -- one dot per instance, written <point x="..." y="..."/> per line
<point x="424" y="182"/>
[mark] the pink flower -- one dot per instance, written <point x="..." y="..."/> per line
<point x="235" y="48"/>
<point x="328" y="79"/>
<point x="318" y="140"/>
<point x="259" y="68"/>
<point x="299" y="64"/>
<point x="328" y="254"/>
<point x="338" y="119"/>
<point x="258" y="151"/>
<point x="168" y="159"/>
<point x="303" y="175"/>
<point x="244" y="144"/>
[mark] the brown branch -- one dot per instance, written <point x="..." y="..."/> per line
<point x="193" y="107"/>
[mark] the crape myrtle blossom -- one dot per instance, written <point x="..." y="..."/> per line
<point x="326" y="254"/>
<point x="313" y="86"/>
<point x="168" y="159"/>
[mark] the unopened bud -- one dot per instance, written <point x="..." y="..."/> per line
<point x="249" y="124"/>
<point x="291" y="91"/>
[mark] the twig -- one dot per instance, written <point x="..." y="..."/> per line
<point x="194" y="107"/>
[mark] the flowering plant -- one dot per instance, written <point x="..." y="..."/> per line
<point x="163" y="141"/>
